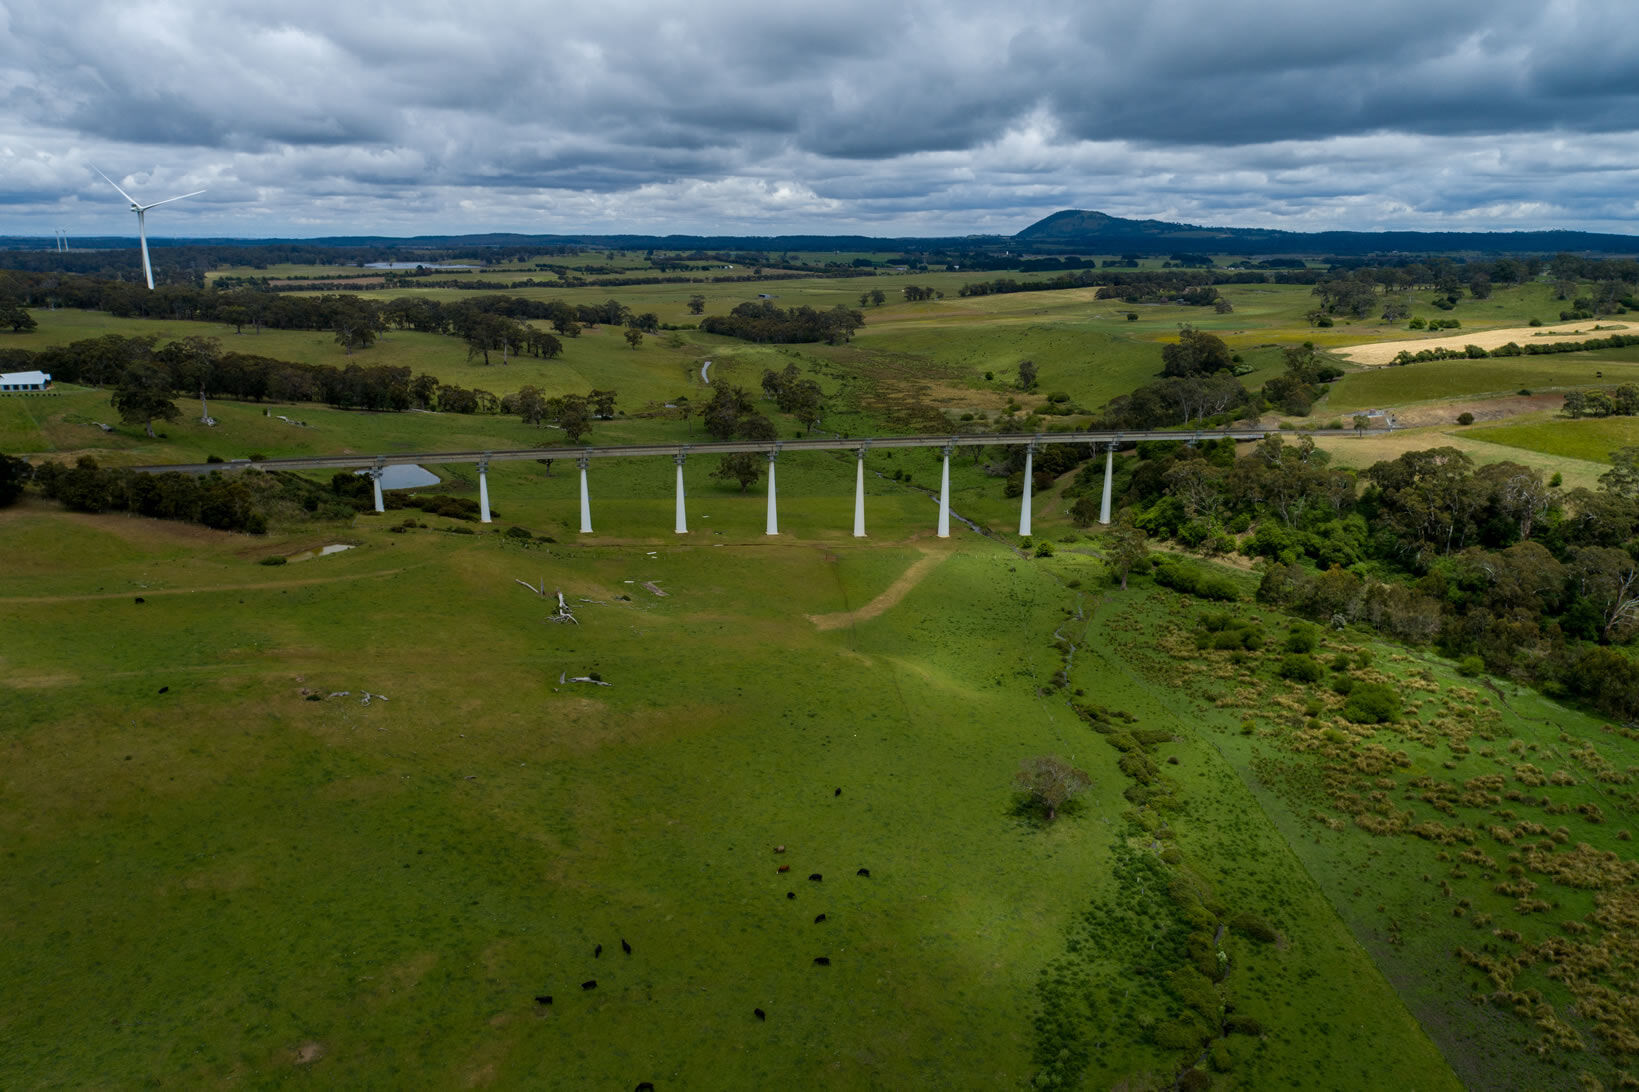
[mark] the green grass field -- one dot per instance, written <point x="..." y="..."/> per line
<point x="227" y="882"/>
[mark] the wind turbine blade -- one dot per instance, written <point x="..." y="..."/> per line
<point x="168" y="200"/>
<point x="116" y="185"/>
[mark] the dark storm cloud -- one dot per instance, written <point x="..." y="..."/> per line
<point x="852" y="116"/>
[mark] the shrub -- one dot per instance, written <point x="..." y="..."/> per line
<point x="1465" y="418"/>
<point x="1372" y="703"/>
<point x="1470" y="666"/>
<point x="1300" y="668"/>
<point x="276" y="559"/>
<point x="1044" y="549"/>
<point x="1195" y="581"/>
<point x="1301" y="639"/>
<point x="1196" y="1080"/>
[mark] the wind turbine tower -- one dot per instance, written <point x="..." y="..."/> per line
<point x="142" y="226"/>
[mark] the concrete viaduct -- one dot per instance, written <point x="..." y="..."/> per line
<point x="375" y="464"/>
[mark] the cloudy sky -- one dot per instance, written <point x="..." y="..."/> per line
<point x="321" y="117"/>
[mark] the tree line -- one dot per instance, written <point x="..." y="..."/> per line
<point x="762" y="321"/>
<point x="1491" y="562"/>
<point x="146" y="376"/>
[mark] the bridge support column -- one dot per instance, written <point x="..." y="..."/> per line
<point x="682" y="514"/>
<point x="773" y="509"/>
<point x="483" y="491"/>
<point x="1109" y="482"/>
<point x="585" y="501"/>
<point x="1024" y="504"/>
<point x="944" y="496"/>
<point x="859" y="495"/>
<point x="375" y="483"/>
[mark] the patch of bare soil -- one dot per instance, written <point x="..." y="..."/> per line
<point x="1380" y="353"/>
<point x="889" y="598"/>
<point x="1483" y="409"/>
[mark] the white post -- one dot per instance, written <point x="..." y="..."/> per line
<point x="944" y="497"/>
<point x="585" y="501"/>
<point x="483" y="491"/>
<point x="682" y="517"/>
<point x="859" y="496"/>
<point x="773" y="512"/>
<point x="1024" y="505"/>
<point x="375" y="482"/>
<point x="1109" y="475"/>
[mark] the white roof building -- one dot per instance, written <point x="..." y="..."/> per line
<point x="24" y="381"/>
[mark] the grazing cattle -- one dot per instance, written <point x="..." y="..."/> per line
<point x="783" y="868"/>
<point x="779" y="849"/>
<point x="790" y="894"/>
<point x="589" y="984"/>
<point x="140" y="599"/>
<point x="759" y="1014"/>
<point x="597" y="951"/>
<point x="822" y="961"/>
<point x="645" y="1086"/>
<point x="627" y="948"/>
<point x="164" y="689"/>
<point x="864" y="872"/>
<point x="815" y="876"/>
<point x="543" y="999"/>
<point x="837" y="793"/>
<point x="819" y="919"/>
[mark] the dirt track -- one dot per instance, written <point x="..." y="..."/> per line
<point x="1381" y="352"/>
<point x="894" y="593"/>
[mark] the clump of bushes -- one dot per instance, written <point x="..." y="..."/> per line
<point x="1301" y="639"/>
<point x="1301" y="667"/>
<point x="1372" y="703"/>
<point x="1226" y="632"/>
<point x="1194" y="580"/>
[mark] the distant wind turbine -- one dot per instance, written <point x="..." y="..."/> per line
<point x="142" y="227"/>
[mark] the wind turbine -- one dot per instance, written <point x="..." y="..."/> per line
<point x="142" y="227"/>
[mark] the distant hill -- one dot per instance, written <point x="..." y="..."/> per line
<point x="1077" y="230"/>
<point x="1072" y="231"/>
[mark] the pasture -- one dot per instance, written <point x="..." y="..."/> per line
<point x="215" y="878"/>
<point x="226" y="866"/>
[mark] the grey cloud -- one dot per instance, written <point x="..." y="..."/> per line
<point x="938" y="117"/>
